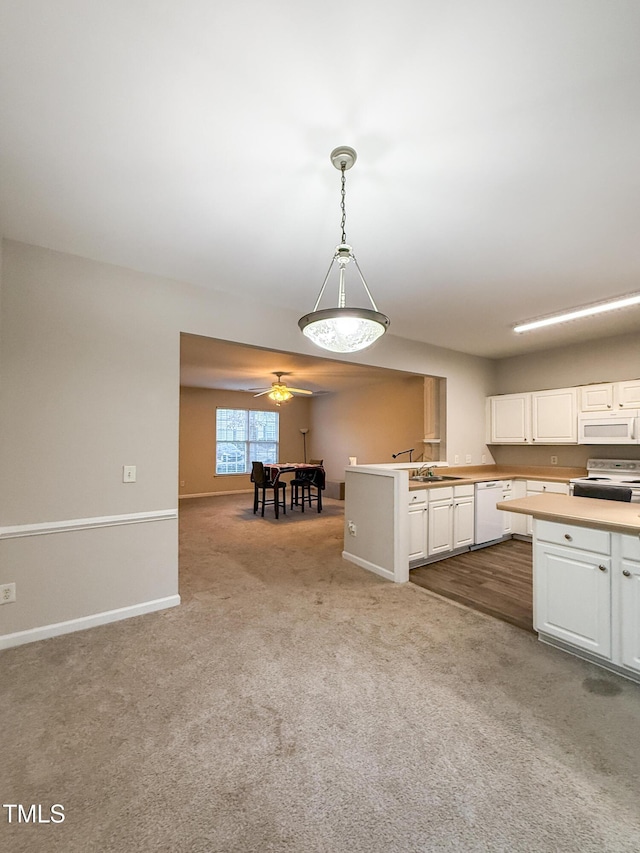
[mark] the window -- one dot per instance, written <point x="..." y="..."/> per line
<point x="243" y="436"/>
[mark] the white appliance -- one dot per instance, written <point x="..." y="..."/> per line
<point x="489" y="519"/>
<point x="609" y="428"/>
<point x="608" y="473"/>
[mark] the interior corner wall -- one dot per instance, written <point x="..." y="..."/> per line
<point x="198" y="437"/>
<point x="90" y="358"/>
<point x="370" y="423"/>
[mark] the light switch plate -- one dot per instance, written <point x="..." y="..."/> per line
<point x="128" y="473"/>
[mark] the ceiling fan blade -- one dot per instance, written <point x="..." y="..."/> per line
<point x="298" y="390"/>
<point x="266" y="391"/>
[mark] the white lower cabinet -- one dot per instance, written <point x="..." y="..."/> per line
<point x="441" y="520"/>
<point x="628" y="581"/>
<point x="418" y="529"/>
<point x="463" y="521"/>
<point x="537" y="487"/>
<point x="572" y="583"/>
<point x="587" y="591"/>
<point x="451" y="518"/>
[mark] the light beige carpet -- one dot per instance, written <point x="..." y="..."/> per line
<point x="297" y="703"/>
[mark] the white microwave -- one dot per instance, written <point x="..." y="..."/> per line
<point x="609" y="428"/>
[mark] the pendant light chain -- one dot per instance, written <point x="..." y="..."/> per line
<point x="343" y="223"/>
<point x="343" y="329"/>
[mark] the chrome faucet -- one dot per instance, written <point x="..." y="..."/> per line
<point x="425" y="469"/>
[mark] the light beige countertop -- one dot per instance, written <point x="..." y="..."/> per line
<point x="483" y="473"/>
<point x="587" y="512"/>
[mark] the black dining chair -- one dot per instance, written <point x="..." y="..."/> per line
<point x="261" y="484"/>
<point x="303" y="484"/>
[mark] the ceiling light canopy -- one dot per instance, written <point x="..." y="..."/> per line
<point x="578" y="313"/>
<point x="343" y="329"/>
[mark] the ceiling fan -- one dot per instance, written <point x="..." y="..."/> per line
<point x="279" y="392"/>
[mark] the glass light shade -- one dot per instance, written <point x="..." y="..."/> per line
<point x="280" y="394"/>
<point x="344" y="329"/>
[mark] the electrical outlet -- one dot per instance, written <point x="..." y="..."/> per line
<point x="7" y="593"/>
<point x="351" y="528"/>
<point x="468" y="459"/>
<point x="456" y="459"/>
<point x="182" y="482"/>
<point x="554" y="460"/>
<point x="484" y="458"/>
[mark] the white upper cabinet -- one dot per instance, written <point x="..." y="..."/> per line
<point x="509" y="419"/>
<point x="609" y="396"/>
<point x="540" y="417"/>
<point x="596" y="398"/>
<point x="627" y="394"/>
<point x="554" y="416"/>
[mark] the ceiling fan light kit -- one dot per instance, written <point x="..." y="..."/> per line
<point x="343" y="329"/>
<point x="279" y="392"/>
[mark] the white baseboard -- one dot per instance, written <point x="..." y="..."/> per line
<point x="370" y="567"/>
<point x="217" y="494"/>
<point x="46" y="631"/>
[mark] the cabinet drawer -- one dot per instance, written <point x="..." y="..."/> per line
<point x="554" y="488"/>
<point x="464" y="491"/>
<point x="417" y="496"/>
<point x="572" y="536"/>
<point x="630" y="547"/>
<point x="441" y="494"/>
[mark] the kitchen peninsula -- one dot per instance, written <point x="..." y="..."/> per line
<point x="586" y="577"/>
<point x="378" y="500"/>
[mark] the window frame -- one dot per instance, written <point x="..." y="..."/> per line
<point x="252" y="446"/>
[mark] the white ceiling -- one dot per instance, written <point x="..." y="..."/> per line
<point x="497" y="176"/>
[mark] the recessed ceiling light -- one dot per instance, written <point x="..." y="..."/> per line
<point x="578" y="313"/>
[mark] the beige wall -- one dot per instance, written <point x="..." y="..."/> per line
<point x="90" y="382"/>
<point x="198" y="437"/>
<point x="370" y="423"/>
<point x="605" y="360"/>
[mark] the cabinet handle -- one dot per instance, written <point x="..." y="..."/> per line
<point x="568" y="537"/>
<point x="608" y="405"/>
<point x="602" y="568"/>
<point x="626" y="573"/>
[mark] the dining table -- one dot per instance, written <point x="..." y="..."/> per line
<point x="274" y="470"/>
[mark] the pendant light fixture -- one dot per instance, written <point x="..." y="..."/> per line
<point x="343" y="329"/>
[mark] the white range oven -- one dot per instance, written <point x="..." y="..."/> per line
<point x="610" y="474"/>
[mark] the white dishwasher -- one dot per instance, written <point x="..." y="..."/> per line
<point x="489" y="519"/>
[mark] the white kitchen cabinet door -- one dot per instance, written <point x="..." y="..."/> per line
<point x="554" y="416"/>
<point x="596" y="398"/>
<point x="629" y="587"/>
<point x="509" y="419"/>
<point x="463" y="522"/>
<point x="507" y="517"/>
<point x="627" y="394"/>
<point x="440" y="537"/>
<point x="537" y="487"/>
<point x="418" y="532"/>
<point x="572" y="591"/>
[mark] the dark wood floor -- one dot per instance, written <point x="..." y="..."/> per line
<point x="495" y="580"/>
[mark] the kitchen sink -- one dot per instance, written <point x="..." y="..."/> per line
<point x="436" y="478"/>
